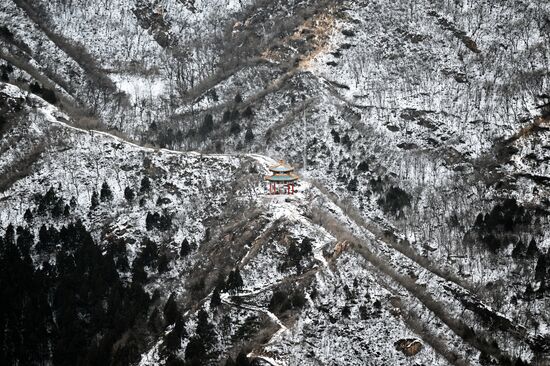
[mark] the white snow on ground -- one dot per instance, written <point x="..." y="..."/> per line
<point x="389" y="76"/>
<point x="140" y="88"/>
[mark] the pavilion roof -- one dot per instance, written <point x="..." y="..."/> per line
<point x="281" y="178"/>
<point x="281" y="167"/>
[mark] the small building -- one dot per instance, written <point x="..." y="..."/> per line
<point x="282" y="180"/>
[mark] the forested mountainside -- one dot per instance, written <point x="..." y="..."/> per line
<point x="135" y="228"/>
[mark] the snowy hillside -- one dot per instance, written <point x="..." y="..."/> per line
<point x="136" y="228"/>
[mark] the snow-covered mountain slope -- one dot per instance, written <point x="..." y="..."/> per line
<point x="311" y="273"/>
<point x="419" y="138"/>
<point x="196" y="192"/>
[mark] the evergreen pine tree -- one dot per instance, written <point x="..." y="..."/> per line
<point x="205" y="330"/>
<point x="149" y="254"/>
<point x="238" y="279"/>
<point x="164" y="221"/>
<point x="150" y="221"/>
<point x="24" y="242"/>
<point x="195" y="352"/>
<point x="41" y="210"/>
<point x="352" y="185"/>
<point x="479" y="220"/>
<point x="532" y="249"/>
<point x="173" y="339"/>
<point x="305" y="247"/>
<point x="235" y="128"/>
<point x="294" y="253"/>
<point x="249" y="135"/>
<point x="207" y="125"/>
<point x="50" y="197"/>
<point x="234" y="281"/>
<point x="28" y="215"/>
<point x="247" y="113"/>
<point x="138" y="272"/>
<point x="129" y="194"/>
<point x="242" y="360"/>
<point x="519" y="250"/>
<point x="215" y="301"/>
<point x="346" y="311"/>
<point x="9" y="235"/>
<point x="95" y="200"/>
<point x="171" y="312"/>
<point x="106" y="194"/>
<point x="145" y="185"/>
<point x="35" y="88"/>
<point x="185" y="248"/>
<point x="226" y="116"/>
<point x="542" y="271"/>
<point x="163" y="263"/>
<point x="57" y="209"/>
<point x="173" y="360"/>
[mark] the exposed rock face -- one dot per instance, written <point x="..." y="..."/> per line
<point x="409" y="346"/>
<point x="135" y="134"/>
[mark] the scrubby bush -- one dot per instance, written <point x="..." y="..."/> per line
<point x="335" y="136"/>
<point x="282" y="301"/>
<point x="6" y="33"/>
<point x="207" y="126"/>
<point x="395" y="201"/>
<point x="161" y="222"/>
<point x="501" y="225"/>
<point x="519" y="250"/>
<point x="49" y="95"/>
<point x="363" y="166"/>
<point x="35" y="88"/>
<point x="235" y="128"/>
<point x="226" y="116"/>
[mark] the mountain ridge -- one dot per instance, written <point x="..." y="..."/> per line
<point x="421" y="215"/>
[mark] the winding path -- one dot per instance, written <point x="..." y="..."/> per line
<point x="438" y="308"/>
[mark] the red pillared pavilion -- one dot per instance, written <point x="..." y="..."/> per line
<point x="282" y="180"/>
